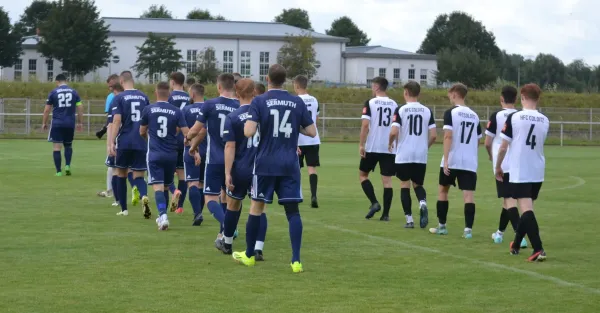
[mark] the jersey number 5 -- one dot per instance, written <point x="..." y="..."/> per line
<point x="384" y="112"/>
<point x="162" y="127"/>
<point x="135" y="112"/>
<point x="469" y="126"/>
<point x="531" y="138"/>
<point x="281" y="126"/>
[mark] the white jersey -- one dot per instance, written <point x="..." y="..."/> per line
<point x="379" y="111"/>
<point x="312" y="105"/>
<point x="466" y="132"/>
<point x="493" y="129"/>
<point x="526" y="131"/>
<point x="414" y="120"/>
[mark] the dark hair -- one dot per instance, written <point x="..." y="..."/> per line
<point x="117" y="87"/>
<point x="260" y="88"/>
<point x="227" y="81"/>
<point x="126" y="76"/>
<point x="301" y="81"/>
<point x="163" y="89"/>
<point x="531" y="92"/>
<point x="460" y="89"/>
<point x="509" y="93"/>
<point x="112" y="78"/>
<point x="413" y="89"/>
<point x="61" y="78"/>
<point x="178" y="78"/>
<point x="190" y="81"/>
<point x="244" y="88"/>
<point x="277" y="75"/>
<point x="198" y="89"/>
<point x="382" y="82"/>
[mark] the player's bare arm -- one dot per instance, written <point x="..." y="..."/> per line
<point x="250" y="128"/>
<point x="364" y="132"/>
<point x="113" y="133"/>
<point x="229" y="158"/>
<point x="488" y="145"/>
<point x="144" y="131"/>
<point x="184" y="130"/>
<point x="394" y="132"/>
<point x="447" y="145"/>
<point x="194" y="131"/>
<point x="47" y="110"/>
<point x="501" y="155"/>
<point x="310" y="130"/>
<point x="79" y="116"/>
<point x="432" y="136"/>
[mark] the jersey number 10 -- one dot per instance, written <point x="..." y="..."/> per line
<point x="415" y="125"/>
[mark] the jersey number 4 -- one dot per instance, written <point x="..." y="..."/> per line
<point x="281" y="125"/>
<point x="531" y="138"/>
<point x="384" y="113"/>
<point x="469" y="127"/>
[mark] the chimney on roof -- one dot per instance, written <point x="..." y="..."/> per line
<point x="37" y="31"/>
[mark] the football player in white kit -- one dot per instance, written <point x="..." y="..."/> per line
<point x="462" y="132"/>
<point x="414" y="129"/>
<point x="523" y="135"/>
<point x="377" y="117"/>
<point x="308" y="148"/>
<point x="492" y="145"/>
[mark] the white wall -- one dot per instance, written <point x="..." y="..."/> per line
<point x="328" y="53"/>
<point x="356" y="69"/>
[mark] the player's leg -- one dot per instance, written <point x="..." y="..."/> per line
<point x="467" y="181"/>
<point x="213" y="176"/>
<point x="387" y="170"/>
<point x="241" y="182"/>
<point x="417" y="177"/>
<point x="312" y="162"/>
<point x="55" y="137"/>
<point x="114" y="182"/>
<point x="157" y="172"/>
<point x="135" y="193"/>
<point x="192" y="177"/>
<point x="122" y="163"/>
<point x="139" y="167"/>
<point x="262" y="235"/>
<point x="181" y="185"/>
<point x="403" y="174"/>
<point x="289" y="193"/>
<point x="177" y="194"/>
<point x="367" y="165"/>
<point x="68" y="134"/>
<point x="109" y="174"/>
<point x="509" y="212"/>
<point x="445" y="181"/>
<point x="526" y="194"/>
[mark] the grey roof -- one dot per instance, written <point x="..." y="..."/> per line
<point x="208" y="29"/>
<point x="30" y="41"/>
<point x="384" y="53"/>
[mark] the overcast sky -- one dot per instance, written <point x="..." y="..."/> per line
<point x="565" y="28"/>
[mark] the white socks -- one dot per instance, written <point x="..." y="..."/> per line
<point x="409" y="219"/>
<point x="109" y="175"/>
<point x="259" y="245"/>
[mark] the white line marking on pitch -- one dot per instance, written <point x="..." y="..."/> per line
<point x="533" y="274"/>
<point x="580" y="182"/>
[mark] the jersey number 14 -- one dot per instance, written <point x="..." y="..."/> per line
<point x="281" y="125"/>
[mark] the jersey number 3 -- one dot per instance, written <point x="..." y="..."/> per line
<point x="384" y="113"/>
<point x="162" y="127"/>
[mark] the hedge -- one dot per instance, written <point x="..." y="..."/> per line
<point x="96" y="91"/>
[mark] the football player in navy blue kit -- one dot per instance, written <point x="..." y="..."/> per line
<point x="64" y="102"/>
<point x="160" y="124"/>
<point x="194" y="165"/>
<point x="280" y="116"/>
<point x="180" y="99"/>
<point x="212" y="115"/>
<point x="126" y="143"/>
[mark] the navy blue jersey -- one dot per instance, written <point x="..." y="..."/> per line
<point x="213" y="115"/>
<point x="130" y="104"/>
<point x="190" y="113"/>
<point x="64" y="101"/>
<point x="163" y="120"/>
<point x="279" y="116"/>
<point x="180" y="99"/>
<point x="245" y="148"/>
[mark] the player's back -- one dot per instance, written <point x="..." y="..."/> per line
<point x="312" y="105"/>
<point x="163" y="120"/>
<point x="466" y="131"/>
<point x="527" y="130"/>
<point x="415" y="121"/>
<point x="213" y="114"/>
<point x="130" y="104"/>
<point x="245" y="148"/>
<point x="179" y="99"/>
<point x="64" y="100"/>
<point x="379" y="111"/>
<point x="494" y="128"/>
<point x="190" y="113"/>
<point x="279" y="115"/>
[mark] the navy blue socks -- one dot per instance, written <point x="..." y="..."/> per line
<point x="57" y="160"/>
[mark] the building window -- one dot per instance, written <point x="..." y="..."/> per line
<point x="191" y="64"/>
<point x="411" y="73"/>
<point x="396" y="74"/>
<point x="382" y="72"/>
<point x="423" y="74"/>
<point x="50" y="70"/>
<point x="18" y="70"/>
<point x="154" y="78"/>
<point x="245" y="64"/>
<point x="370" y="75"/>
<point x="263" y="66"/>
<point x="228" y="61"/>
<point x="32" y="69"/>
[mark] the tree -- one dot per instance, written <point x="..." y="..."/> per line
<point x="207" y="66"/>
<point x="466" y="66"/>
<point x="11" y="40"/>
<point x="295" y="17"/>
<point x="155" y="11"/>
<point x="34" y="15"/>
<point x="460" y="30"/>
<point x="345" y="27"/>
<point x="75" y="35"/>
<point x="298" y="56"/>
<point x="579" y="76"/>
<point x="157" y="55"/>
<point x="548" y="70"/>
<point x="198" y="14"/>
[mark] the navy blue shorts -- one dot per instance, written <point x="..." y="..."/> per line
<point x="192" y="172"/>
<point x="214" y="179"/>
<point x="288" y="188"/>
<point x="132" y="159"/>
<point x="161" y="172"/>
<point x="110" y="161"/>
<point x="61" y="134"/>
<point x="242" y="181"/>
<point x="180" y="154"/>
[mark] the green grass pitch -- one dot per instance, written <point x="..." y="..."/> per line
<point x="64" y="250"/>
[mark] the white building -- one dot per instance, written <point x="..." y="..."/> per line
<point x="248" y="48"/>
